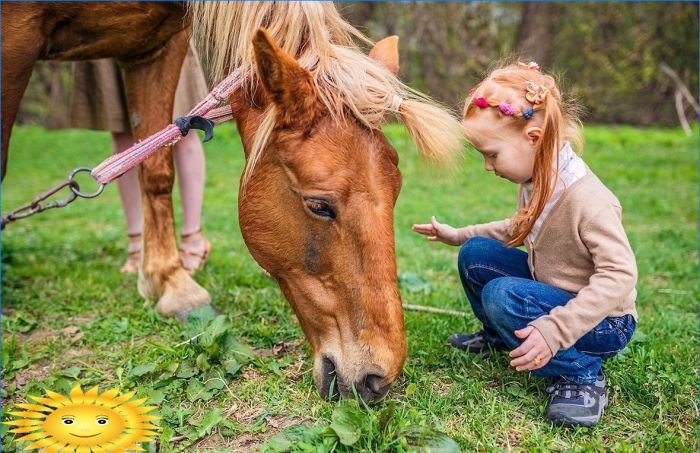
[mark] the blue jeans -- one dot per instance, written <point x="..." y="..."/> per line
<point x="505" y="298"/>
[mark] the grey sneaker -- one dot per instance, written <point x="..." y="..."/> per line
<point x="577" y="404"/>
<point x="474" y="343"/>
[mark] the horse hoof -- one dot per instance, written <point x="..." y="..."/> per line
<point x="203" y="311"/>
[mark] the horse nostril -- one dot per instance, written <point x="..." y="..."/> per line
<point x="329" y="385"/>
<point x="372" y="388"/>
<point x="373" y="382"/>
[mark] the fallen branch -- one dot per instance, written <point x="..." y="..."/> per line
<point x="682" y="91"/>
<point x="440" y="311"/>
<point x="680" y="111"/>
<point x="680" y="85"/>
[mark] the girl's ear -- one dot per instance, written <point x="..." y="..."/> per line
<point x="533" y="134"/>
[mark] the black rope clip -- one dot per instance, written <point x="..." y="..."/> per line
<point x="185" y="123"/>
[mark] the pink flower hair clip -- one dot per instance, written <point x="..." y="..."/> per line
<point x="506" y="109"/>
<point x="530" y="65"/>
<point x="536" y="94"/>
<point x="481" y="102"/>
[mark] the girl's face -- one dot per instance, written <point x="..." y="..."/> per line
<point x="508" y="153"/>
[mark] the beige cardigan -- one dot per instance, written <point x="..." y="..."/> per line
<point x="583" y="249"/>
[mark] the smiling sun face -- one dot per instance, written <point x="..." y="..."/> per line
<point x="84" y="425"/>
<point x="106" y="421"/>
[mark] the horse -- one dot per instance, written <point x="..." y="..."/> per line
<point x="317" y="194"/>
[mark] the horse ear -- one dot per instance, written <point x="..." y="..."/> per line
<point x="386" y="52"/>
<point x="289" y="85"/>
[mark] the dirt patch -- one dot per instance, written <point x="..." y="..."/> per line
<point x="34" y="373"/>
<point x="45" y="335"/>
<point x="249" y="441"/>
<point x="280" y="349"/>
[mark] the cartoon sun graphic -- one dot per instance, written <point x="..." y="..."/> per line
<point x="85" y="422"/>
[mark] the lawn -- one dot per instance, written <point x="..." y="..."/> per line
<point x="68" y="316"/>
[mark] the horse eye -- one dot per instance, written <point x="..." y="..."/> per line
<point x="320" y="207"/>
<point x="102" y="421"/>
<point x="68" y="421"/>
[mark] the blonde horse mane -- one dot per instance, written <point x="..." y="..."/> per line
<point x="346" y="79"/>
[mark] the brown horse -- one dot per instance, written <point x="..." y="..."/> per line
<point x="321" y="180"/>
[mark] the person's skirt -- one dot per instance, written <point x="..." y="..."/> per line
<point x="98" y="100"/>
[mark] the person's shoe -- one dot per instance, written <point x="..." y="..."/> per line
<point x="474" y="343"/>
<point x="577" y="404"/>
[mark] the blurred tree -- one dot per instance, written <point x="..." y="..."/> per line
<point x="610" y="56"/>
<point x="536" y="31"/>
<point x="47" y="98"/>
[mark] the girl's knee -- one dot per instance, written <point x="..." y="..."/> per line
<point x="474" y="250"/>
<point x="496" y="295"/>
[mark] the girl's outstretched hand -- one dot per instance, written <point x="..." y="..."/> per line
<point x="438" y="232"/>
<point x="533" y="353"/>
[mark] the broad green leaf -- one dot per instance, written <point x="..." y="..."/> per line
<point x="203" y="362"/>
<point x="71" y="372"/>
<point x="194" y="390"/>
<point x="197" y="320"/>
<point x="347" y="421"/>
<point x="208" y="422"/>
<point x="156" y="397"/>
<point x="214" y="383"/>
<point x="428" y="439"/>
<point x="234" y="349"/>
<point x="140" y="370"/>
<point x="232" y="366"/>
<point x="186" y="370"/>
<point x="214" y="331"/>
<point x="411" y="389"/>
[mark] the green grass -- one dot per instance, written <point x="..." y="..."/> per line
<point x="69" y="315"/>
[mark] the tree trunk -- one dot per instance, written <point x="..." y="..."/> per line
<point x="535" y="36"/>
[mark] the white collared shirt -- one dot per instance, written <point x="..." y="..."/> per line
<point x="571" y="169"/>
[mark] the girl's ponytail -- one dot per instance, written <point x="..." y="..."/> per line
<point x="546" y="152"/>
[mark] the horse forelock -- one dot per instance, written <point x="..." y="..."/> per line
<point x="346" y="80"/>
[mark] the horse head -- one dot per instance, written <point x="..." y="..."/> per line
<point x="317" y="214"/>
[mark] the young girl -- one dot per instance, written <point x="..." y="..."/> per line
<point x="569" y="301"/>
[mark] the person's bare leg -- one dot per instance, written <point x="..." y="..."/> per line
<point x="128" y="184"/>
<point x="130" y="195"/>
<point x="190" y="170"/>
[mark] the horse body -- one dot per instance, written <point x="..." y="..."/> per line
<point x="149" y="41"/>
<point x="321" y="181"/>
<point x="129" y="32"/>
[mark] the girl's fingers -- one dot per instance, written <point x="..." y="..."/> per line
<point x="432" y="238"/>
<point x="544" y="360"/>
<point x="542" y="363"/>
<point x="523" y="349"/>
<point x="524" y="359"/>
<point x="424" y="229"/>
<point x="540" y="359"/>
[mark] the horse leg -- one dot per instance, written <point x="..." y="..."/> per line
<point x="20" y="50"/>
<point x="150" y="91"/>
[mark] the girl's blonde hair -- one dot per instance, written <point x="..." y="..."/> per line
<point x="557" y="119"/>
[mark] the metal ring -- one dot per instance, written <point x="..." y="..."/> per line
<point x="77" y="191"/>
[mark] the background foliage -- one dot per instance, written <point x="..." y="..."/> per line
<point x="608" y="54"/>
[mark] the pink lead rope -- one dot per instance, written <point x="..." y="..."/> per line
<point x="118" y="164"/>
